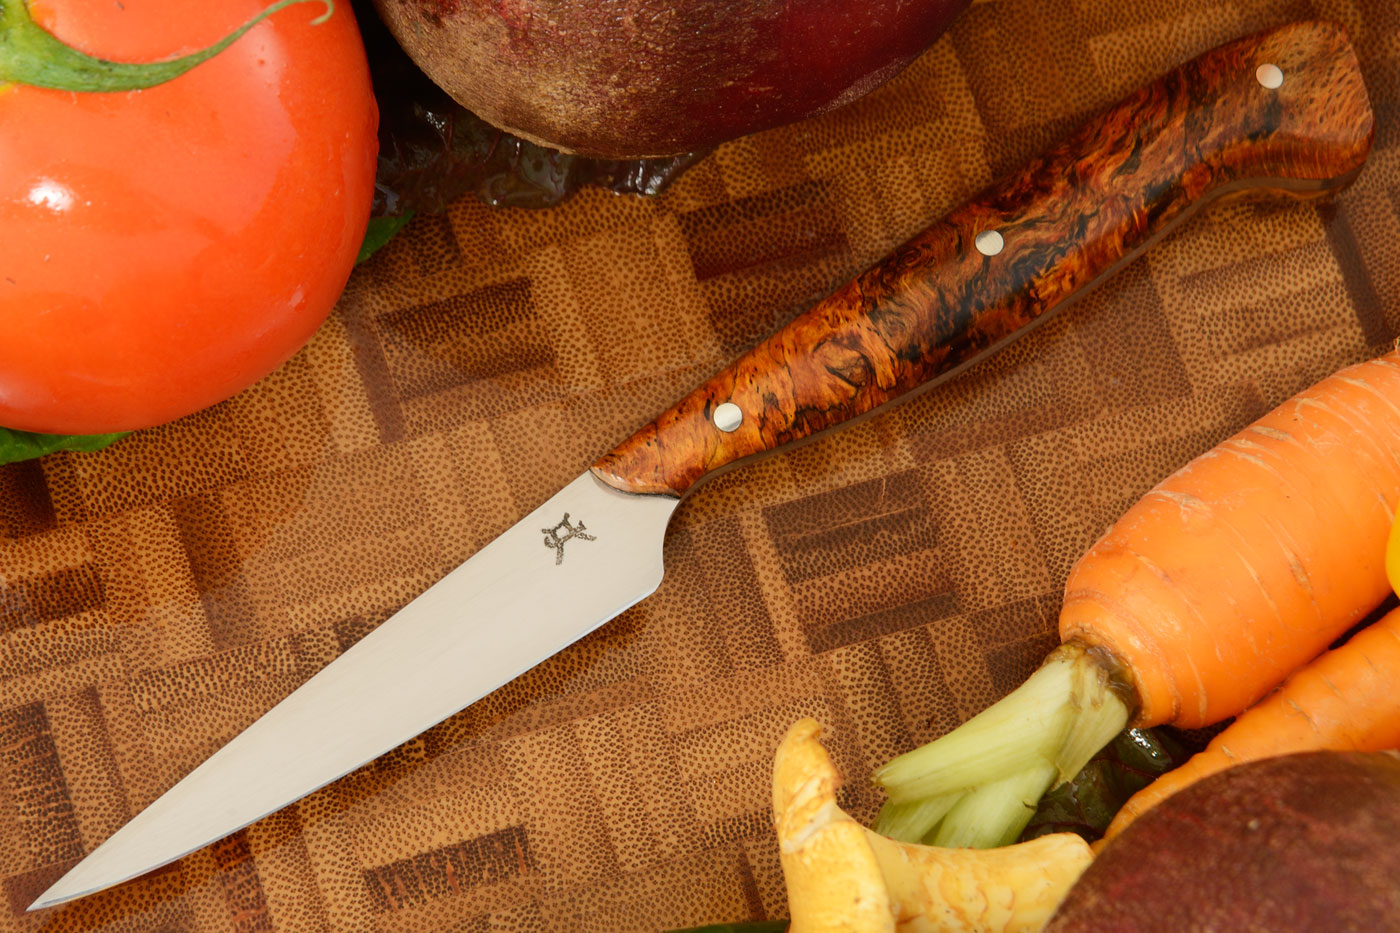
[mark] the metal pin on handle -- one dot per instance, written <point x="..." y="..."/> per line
<point x="728" y="417"/>
<point x="1269" y="75"/>
<point x="988" y="242"/>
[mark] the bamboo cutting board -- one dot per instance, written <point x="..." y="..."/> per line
<point x="890" y="580"/>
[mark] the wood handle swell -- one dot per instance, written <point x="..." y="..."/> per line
<point x="1067" y="221"/>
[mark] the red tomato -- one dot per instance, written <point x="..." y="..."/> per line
<point x="162" y="249"/>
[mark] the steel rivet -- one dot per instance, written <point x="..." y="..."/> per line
<point x="988" y="242"/>
<point x="1269" y="75"/>
<point x="728" y="417"/>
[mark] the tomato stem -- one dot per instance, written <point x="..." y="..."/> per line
<point x="31" y="55"/>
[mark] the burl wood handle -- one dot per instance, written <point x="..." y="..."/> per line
<point x="1283" y="112"/>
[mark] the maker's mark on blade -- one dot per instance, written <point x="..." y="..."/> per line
<point x="562" y="533"/>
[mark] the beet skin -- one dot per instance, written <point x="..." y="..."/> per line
<point x="1305" y="842"/>
<point x="622" y="79"/>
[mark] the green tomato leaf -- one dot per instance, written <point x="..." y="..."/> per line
<point x="25" y="445"/>
<point x="1087" y="803"/>
<point x="380" y="231"/>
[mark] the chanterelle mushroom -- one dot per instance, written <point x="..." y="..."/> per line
<point x="841" y="876"/>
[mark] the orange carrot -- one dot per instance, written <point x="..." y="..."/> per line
<point x="1251" y="559"/>
<point x="1346" y="699"/>
<point x="1229" y="575"/>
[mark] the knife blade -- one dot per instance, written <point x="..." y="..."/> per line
<point x="1284" y="112"/>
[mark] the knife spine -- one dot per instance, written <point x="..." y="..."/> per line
<point x="1065" y="222"/>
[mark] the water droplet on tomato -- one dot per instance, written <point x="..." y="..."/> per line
<point x="51" y="194"/>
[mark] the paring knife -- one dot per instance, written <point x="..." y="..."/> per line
<point x="1283" y="111"/>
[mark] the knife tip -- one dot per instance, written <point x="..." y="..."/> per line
<point x="77" y="882"/>
<point x="51" y="898"/>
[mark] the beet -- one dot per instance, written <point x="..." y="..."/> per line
<point x="626" y="79"/>
<point x="1308" y="841"/>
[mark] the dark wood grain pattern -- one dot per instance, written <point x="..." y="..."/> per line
<point x="1069" y="219"/>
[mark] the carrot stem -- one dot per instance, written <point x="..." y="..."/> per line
<point x="1003" y="759"/>
<point x="994" y="814"/>
<point x="912" y="822"/>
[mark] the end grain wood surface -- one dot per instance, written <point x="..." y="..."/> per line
<point x="890" y="580"/>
